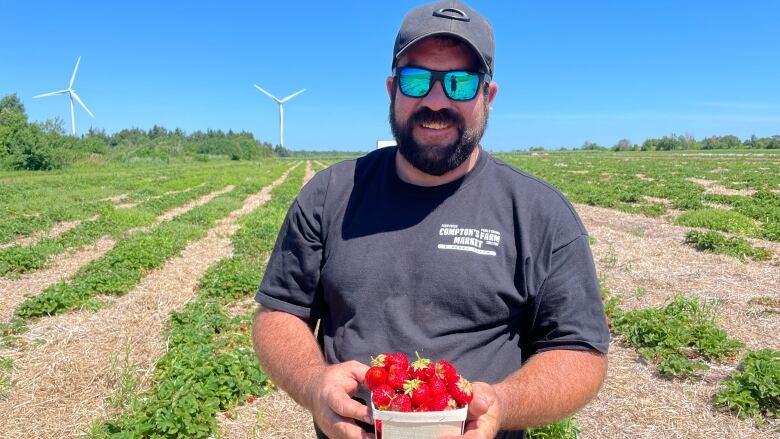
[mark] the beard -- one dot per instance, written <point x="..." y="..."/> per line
<point x="436" y="159"/>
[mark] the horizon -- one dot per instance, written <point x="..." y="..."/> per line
<point x="582" y="73"/>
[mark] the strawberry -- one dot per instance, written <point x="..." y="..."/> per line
<point x="439" y="402"/>
<point x="228" y="414"/>
<point x="446" y="371"/>
<point x="461" y="391"/>
<point x="419" y="392"/>
<point x="375" y="376"/>
<point x="437" y="385"/>
<point x="401" y="403"/>
<point x="422" y="368"/>
<point x="396" y="376"/>
<point x="379" y="360"/>
<point x="396" y="358"/>
<point x="378" y="428"/>
<point x="382" y="396"/>
<point x="250" y="399"/>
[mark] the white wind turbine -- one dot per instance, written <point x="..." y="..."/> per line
<point x="281" y="110"/>
<point x="72" y="95"/>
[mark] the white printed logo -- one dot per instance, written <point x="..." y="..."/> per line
<point x="465" y="239"/>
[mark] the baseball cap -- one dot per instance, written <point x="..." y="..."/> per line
<point x="448" y="18"/>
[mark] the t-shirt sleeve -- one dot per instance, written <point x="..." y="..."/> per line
<point x="292" y="275"/>
<point x="569" y="311"/>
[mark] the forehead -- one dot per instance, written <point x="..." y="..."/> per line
<point x="440" y="54"/>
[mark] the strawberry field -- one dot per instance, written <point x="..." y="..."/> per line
<point x="126" y="296"/>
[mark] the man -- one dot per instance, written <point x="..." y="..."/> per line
<point x="437" y="247"/>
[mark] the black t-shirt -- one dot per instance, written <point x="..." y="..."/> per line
<point x="484" y="271"/>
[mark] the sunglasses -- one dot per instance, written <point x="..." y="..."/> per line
<point x="459" y="85"/>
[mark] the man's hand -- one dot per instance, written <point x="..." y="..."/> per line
<point x="484" y="414"/>
<point x="332" y="405"/>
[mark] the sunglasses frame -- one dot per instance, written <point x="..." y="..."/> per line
<point x="438" y="75"/>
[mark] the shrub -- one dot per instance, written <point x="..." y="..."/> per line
<point x="718" y="243"/>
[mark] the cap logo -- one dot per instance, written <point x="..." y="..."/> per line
<point x="452" y="14"/>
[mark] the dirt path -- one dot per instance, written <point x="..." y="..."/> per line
<point x="64" y="377"/>
<point x="644" y="261"/>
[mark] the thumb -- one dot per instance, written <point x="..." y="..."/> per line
<point x="484" y="397"/>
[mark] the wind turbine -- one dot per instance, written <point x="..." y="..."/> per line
<point x="281" y="110"/>
<point x="72" y="95"/>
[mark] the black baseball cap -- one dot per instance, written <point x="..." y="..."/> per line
<point x="448" y="18"/>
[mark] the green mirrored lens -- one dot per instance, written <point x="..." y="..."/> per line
<point x="461" y="86"/>
<point x="414" y="82"/>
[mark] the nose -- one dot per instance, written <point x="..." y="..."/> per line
<point x="436" y="98"/>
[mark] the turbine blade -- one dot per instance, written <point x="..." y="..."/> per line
<point x="73" y="76"/>
<point x="293" y="95"/>
<point x="73" y="93"/>
<point x="54" y="93"/>
<point x="268" y="94"/>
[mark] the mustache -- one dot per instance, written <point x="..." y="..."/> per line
<point x="426" y="115"/>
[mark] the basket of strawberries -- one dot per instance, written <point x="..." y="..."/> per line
<point x="419" y="399"/>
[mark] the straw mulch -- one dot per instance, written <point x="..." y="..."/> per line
<point x="644" y="261"/>
<point x="274" y="416"/>
<point x="14" y="291"/>
<point x="712" y="187"/>
<point x="63" y="376"/>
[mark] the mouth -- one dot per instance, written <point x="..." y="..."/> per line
<point x="431" y="125"/>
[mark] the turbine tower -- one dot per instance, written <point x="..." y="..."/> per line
<point x="281" y="109"/>
<point x="72" y="95"/>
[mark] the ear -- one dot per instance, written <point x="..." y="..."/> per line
<point x="492" y="91"/>
<point x="389" y="84"/>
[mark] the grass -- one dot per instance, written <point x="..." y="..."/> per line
<point x="564" y="429"/>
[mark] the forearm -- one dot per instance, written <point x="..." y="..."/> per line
<point x="288" y="353"/>
<point x="549" y="387"/>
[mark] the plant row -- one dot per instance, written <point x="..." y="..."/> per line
<point x="210" y="365"/>
<point x="123" y="267"/>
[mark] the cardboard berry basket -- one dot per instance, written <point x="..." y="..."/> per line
<point x="421" y="425"/>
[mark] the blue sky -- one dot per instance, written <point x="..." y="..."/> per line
<point x="568" y="71"/>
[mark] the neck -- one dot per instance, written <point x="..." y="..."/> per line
<point x="408" y="173"/>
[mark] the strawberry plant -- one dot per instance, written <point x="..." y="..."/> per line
<point x="718" y="243"/>
<point x="679" y="338"/>
<point x="753" y="390"/>
<point x="564" y="429"/>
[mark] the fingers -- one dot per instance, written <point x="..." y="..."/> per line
<point x="356" y="369"/>
<point x="344" y="406"/>
<point x="347" y="429"/>
<point x="484" y="398"/>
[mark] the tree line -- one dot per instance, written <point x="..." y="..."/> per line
<point x="688" y="142"/>
<point x="46" y="145"/>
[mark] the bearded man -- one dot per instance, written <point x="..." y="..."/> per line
<point x="437" y="247"/>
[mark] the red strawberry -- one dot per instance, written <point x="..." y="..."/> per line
<point x="228" y="414"/>
<point x="461" y="391"/>
<point x="437" y="385"/>
<point x="422" y="368"/>
<point x="419" y="392"/>
<point x="378" y="428"/>
<point x="250" y="399"/>
<point x="422" y="408"/>
<point x="382" y="396"/>
<point x="375" y="376"/>
<point x="446" y="371"/>
<point x="401" y="403"/>
<point x="396" y="376"/>
<point x="439" y="402"/>
<point x="396" y="358"/>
